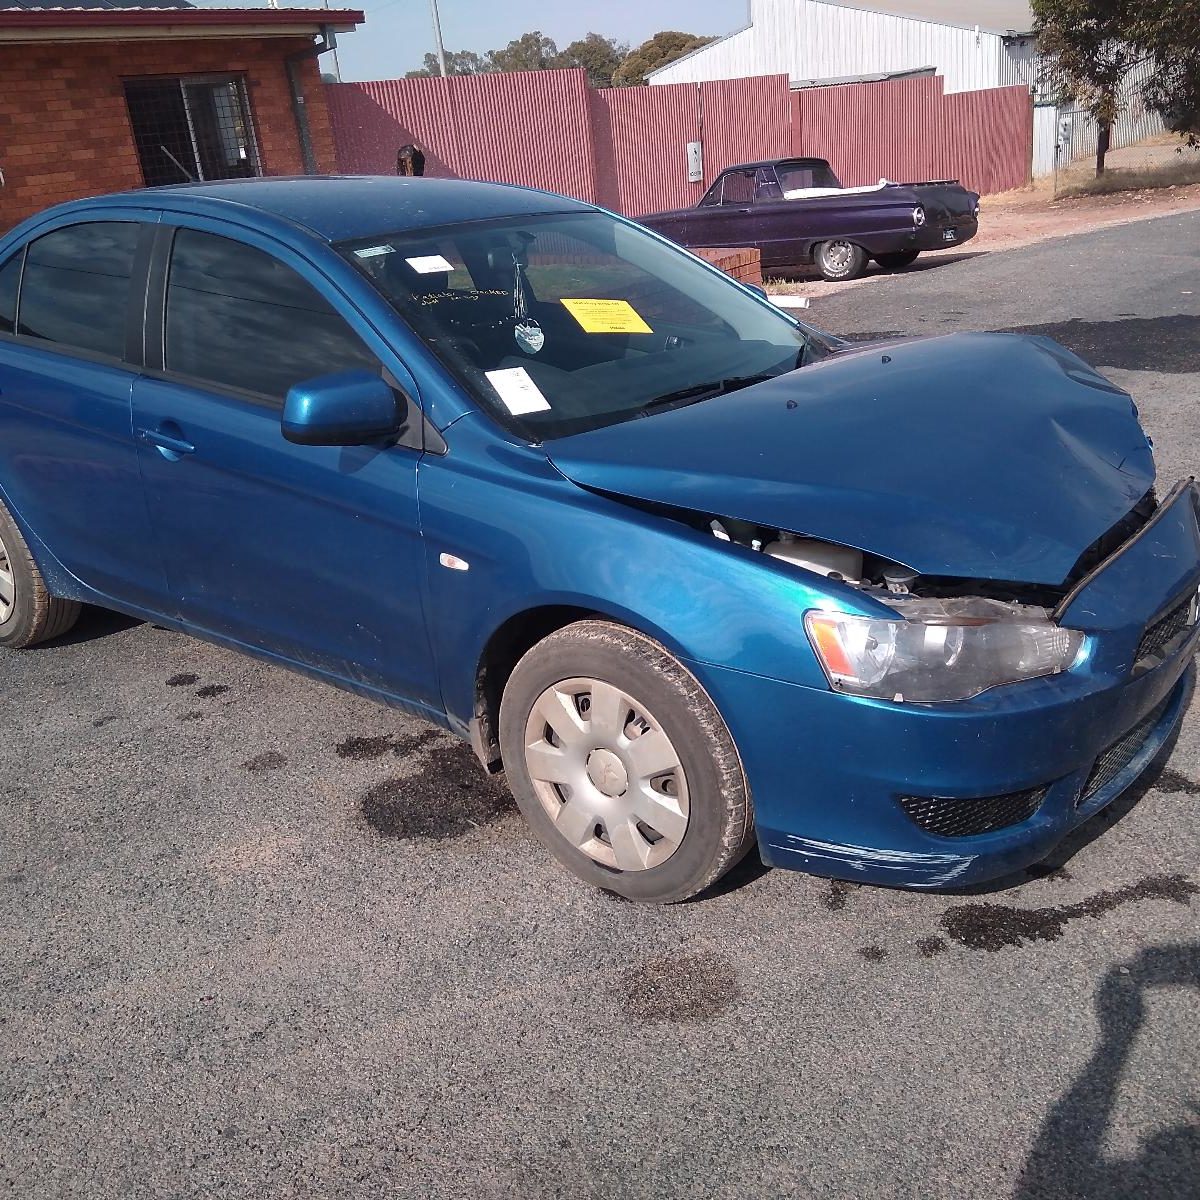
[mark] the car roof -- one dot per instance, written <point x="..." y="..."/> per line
<point x="344" y="207"/>
<point x="800" y="161"/>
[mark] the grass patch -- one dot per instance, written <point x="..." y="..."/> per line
<point x="1184" y="170"/>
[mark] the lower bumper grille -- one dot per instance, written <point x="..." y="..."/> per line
<point x="1121" y="753"/>
<point x="968" y="818"/>
<point x="1163" y="631"/>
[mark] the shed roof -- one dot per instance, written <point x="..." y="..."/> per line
<point x="991" y="16"/>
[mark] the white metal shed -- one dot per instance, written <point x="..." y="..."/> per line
<point x="983" y="44"/>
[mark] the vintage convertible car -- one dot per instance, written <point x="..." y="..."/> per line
<point x="796" y="212"/>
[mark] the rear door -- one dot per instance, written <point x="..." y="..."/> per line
<point x="311" y="553"/>
<point x="70" y="349"/>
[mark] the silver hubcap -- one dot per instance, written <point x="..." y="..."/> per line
<point x="8" y="586"/>
<point x="838" y="255"/>
<point x="607" y="774"/>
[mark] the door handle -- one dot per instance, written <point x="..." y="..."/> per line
<point x="167" y="444"/>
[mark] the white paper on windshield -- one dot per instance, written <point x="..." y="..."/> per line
<point x="429" y="264"/>
<point x="374" y="251"/>
<point x="519" y="394"/>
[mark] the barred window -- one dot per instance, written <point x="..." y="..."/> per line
<point x="192" y="129"/>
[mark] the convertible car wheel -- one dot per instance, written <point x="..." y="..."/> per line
<point x="622" y="766"/>
<point x="28" y="613"/>
<point x="894" y="262"/>
<point x="839" y="260"/>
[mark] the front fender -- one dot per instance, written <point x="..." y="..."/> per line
<point x="531" y="539"/>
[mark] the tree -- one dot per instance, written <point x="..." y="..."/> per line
<point x="530" y="52"/>
<point x="1090" y="46"/>
<point x="1086" y="55"/>
<point x="598" y="56"/>
<point x="1170" y="31"/>
<point x="662" y="48"/>
<point x="458" y="62"/>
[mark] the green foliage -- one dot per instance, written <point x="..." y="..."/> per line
<point x="458" y="62"/>
<point x="608" y="63"/>
<point x="661" y="49"/>
<point x="1089" y="46"/>
<point x="598" y="56"/>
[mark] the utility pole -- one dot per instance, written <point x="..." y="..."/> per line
<point x="437" y="36"/>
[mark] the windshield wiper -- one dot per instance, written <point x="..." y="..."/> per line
<point x="702" y="391"/>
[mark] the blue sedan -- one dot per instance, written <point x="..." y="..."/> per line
<point x="695" y="576"/>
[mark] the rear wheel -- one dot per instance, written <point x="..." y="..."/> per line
<point x="894" y="262"/>
<point x="28" y="613"/>
<point x="839" y="260"/>
<point x="622" y="766"/>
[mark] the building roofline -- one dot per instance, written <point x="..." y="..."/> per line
<point x="24" y="25"/>
<point x="964" y="23"/>
<point x="699" y="50"/>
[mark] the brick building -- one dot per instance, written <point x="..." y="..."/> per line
<point x="99" y="99"/>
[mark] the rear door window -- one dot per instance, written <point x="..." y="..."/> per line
<point x="239" y="318"/>
<point x="76" y="287"/>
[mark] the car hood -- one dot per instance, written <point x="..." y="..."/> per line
<point x="987" y="456"/>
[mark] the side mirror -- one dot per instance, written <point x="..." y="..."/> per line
<point x="349" y="408"/>
<point x="757" y="290"/>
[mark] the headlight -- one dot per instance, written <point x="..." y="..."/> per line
<point x="918" y="216"/>
<point x="940" y="649"/>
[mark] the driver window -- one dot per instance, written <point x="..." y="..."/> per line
<point x="737" y="187"/>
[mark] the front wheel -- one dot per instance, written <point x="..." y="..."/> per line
<point x="622" y="766"/>
<point x="898" y="260"/>
<point x="840" y="260"/>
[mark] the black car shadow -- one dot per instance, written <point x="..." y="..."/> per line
<point x="927" y="262"/>
<point x="93" y="623"/>
<point x="1067" y="1158"/>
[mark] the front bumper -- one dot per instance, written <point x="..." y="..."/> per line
<point x="827" y="771"/>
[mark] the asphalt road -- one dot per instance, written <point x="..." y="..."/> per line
<point x="261" y="938"/>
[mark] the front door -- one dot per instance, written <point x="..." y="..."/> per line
<point x="310" y="553"/>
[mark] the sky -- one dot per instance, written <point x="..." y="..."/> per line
<point x="398" y="33"/>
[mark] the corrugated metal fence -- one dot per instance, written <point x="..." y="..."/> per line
<point x="909" y="130"/>
<point x="626" y="148"/>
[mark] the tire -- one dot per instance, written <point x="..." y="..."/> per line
<point x="28" y="613"/>
<point x="689" y="785"/>
<point x="839" y="260"/>
<point x="897" y="261"/>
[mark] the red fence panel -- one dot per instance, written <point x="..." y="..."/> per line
<point x="908" y="130"/>
<point x="868" y="131"/>
<point x="744" y="120"/>
<point x="532" y="128"/>
<point x="988" y="139"/>
<point x="641" y="137"/>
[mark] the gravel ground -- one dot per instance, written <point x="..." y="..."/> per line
<point x="263" y="939"/>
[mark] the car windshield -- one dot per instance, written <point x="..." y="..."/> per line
<point x="563" y="323"/>
<point x="798" y="177"/>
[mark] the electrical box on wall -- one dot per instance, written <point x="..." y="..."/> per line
<point x="695" y="161"/>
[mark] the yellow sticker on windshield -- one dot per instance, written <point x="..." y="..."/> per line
<point x="606" y="316"/>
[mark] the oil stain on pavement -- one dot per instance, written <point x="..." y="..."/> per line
<point x="184" y="679"/>
<point x="360" y="748"/>
<point x="680" y="987"/>
<point x="1174" y="784"/>
<point x="447" y="799"/>
<point x="209" y="690"/>
<point x="996" y="926"/>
